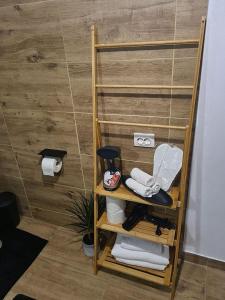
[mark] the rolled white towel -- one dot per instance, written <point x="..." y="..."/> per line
<point x="136" y="244"/>
<point x="155" y="188"/>
<point x="143" y="264"/>
<point x="142" y="177"/>
<point x="141" y="189"/>
<point x="154" y="258"/>
<point x="138" y="188"/>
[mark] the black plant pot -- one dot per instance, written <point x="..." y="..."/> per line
<point x="88" y="244"/>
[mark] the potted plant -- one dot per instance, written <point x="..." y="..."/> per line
<point x="83" y="212"/>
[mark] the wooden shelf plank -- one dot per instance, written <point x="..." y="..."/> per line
<point x="143" y="230"/>
<point x="149" y="43"/>
<point x="123" y="194"/>
<point x="106" y="260"/>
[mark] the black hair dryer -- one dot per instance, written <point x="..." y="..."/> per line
<point x="112" y="167"/>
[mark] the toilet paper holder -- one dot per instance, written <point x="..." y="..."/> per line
<point x="53" y="153"/>
<point x="49" y="167"/>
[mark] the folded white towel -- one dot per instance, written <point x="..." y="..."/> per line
<point x="142" y="177"/>
<point x="144" y="264"/>
<point x="138" y="188"/>
<point x="135" y="244"/>
<point x="141" y="189"/>
<point x="119" y="252"/>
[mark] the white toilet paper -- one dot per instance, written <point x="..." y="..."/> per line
<point x="115" y="210"/>
<point x="50" y="166"/>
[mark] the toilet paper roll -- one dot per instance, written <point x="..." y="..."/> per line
<point x="50" y="166"/>
<point x="114" y="204"/>
<point x="116" y="218"/>
<point x="115" y="210"/>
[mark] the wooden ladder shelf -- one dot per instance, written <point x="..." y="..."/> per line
<point x="144" y="230"/>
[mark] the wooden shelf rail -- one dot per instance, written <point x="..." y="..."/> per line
<point x="149" y="44"/>
<point x="141" y="86"/>
<point x="142" y="125"/>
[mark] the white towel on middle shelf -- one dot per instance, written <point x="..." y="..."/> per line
<point x="140" y="263"/>
<point x="142" y="177"/>
<point x="138" y="188"/>
<point x="142" y="190"/>
<point x="121" y="253"/>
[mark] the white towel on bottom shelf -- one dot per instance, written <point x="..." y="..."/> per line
<point x="140" y="263"/>
<point x="136" y="244"/>
<point x="153" y="258"/>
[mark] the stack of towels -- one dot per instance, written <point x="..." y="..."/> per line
<point x="142" y="183"/>
<point x="138" y="252"/>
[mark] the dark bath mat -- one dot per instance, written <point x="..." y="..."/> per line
<point x="18" y="251"/>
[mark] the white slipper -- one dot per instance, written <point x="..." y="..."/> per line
<point x="167" y="164"/>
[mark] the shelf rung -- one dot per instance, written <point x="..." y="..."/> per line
<point x="142" y="125"/>
<point x="148" y="43"/>
<point x="141" y="86"/>
<point x="143" y="230"/>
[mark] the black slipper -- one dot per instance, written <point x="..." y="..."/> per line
<point x="161" y="198"/>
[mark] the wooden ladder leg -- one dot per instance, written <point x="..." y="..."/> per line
<point x="95" y="164"/>
<point x="96" y="244"/>
<point x="185" y="165"/>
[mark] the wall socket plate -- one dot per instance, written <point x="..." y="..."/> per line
<point x="146" y="140"/>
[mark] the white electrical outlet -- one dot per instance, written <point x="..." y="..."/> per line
<point x="146" y="140"/>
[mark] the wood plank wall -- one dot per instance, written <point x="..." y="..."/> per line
<point x="45" y="89"/>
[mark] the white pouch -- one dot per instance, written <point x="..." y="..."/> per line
<point x="167" y="164"/>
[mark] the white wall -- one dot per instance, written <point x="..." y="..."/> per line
<point x="205" y="230"/>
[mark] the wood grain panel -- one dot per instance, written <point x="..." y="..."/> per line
<point x="121" y="136"/>
<point x="84" y="130"/>
<point x="136" y="72"/>
<point x="181" y="104"/>
<point x="35" y="86"/>
<point x="87" y="165"/>
<point x="188" y="21"/>
<point x="192" y="287"/>
<point x="52" y="217"/>
<point x="184" y="71"/>
<point x="72" y="272"/>
<point x="13" y="2"/>
<point x="52" y="197"/>
<point x="188" y="17"/>
<point x="31" y="33"/>
<point x="30" y="167"/>
<point x="128" y="165"/>
<point x="33" y="131"/>
<point x="215" y="289"/>
<point x="8" y="163"/>
<point x="176" y="136"/>
<point x="4" y="137"/>
<point x="183" y="75"/>
<point x="117" y="21"/>
<point x="14" y="185"/>
<point x="138" y="102"/>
